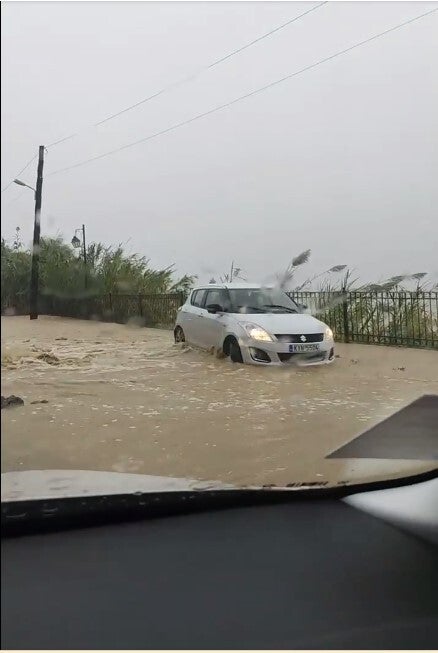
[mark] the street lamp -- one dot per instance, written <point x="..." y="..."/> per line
<point x="76" y="243"/>
<point x="21" y="183"/>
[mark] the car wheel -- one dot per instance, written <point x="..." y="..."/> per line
<point x="235" y="352"/>
<point x="179" y="335"/>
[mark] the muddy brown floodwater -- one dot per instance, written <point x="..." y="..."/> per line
<point x="127" y="399"/>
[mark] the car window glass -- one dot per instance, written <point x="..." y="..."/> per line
<point x="219" y="297"/>
<point x="261" y="298"/>
<point x="198" y="298"/>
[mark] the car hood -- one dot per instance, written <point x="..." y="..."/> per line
<point x="62" y="483"/>
<point x="284" y="323"/>
<point x="412" y="507"/>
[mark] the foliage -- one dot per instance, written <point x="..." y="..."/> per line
<point x="401" y="310"/>
<point x="285" y="279"/>
<point x="64" y="274"/>
<point x="15" y="274"/>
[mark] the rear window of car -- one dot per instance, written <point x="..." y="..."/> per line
<point x="197" y="298"/>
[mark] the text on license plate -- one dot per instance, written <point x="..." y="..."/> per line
<point x="302" y="348"/>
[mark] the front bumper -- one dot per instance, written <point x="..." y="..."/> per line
<point x="257" y="352"/>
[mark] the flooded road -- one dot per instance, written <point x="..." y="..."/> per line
<point x="126" y="399"/>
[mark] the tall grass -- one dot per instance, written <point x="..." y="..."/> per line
<point x="400" y="310"/>
<point x="64" y="274"/>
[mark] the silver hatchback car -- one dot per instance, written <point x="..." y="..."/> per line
<point x="253" y="324"/>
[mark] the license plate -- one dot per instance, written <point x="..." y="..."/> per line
<point x="300" y="349"/>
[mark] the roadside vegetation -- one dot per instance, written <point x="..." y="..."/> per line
<point x="401" y="310"/>
<point x="64" y="274"/>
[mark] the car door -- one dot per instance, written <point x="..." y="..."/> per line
<point x="212" y="325"/>
<point x="193" y="316"/>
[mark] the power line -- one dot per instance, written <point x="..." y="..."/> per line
<point x="61" y="140"/>
<point x="19" y="173"/>
<point x="211" y="65"/>
<point x="242" y="97"/>
<point x="260" y="38"/>
<point x="195" y="75"/>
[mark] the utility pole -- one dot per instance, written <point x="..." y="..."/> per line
<point x="76" y="242"/>
<point x="85" y="257"/>
<point x="34" y="275"/>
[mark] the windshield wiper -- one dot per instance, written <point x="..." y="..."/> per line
<point x="286" y="308"/>
<point x="258" y="309"/>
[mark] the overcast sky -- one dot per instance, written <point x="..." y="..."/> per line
<point x="342" y="159"/>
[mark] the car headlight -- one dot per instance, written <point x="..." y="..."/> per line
<point x="328" y="334"/>
<point x="257" y="333"/>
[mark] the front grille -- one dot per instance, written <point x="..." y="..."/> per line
<point x="315" y="356"/>
<point x="297" y="337"/>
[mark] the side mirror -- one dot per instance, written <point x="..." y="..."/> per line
<point x="214" y="308"/>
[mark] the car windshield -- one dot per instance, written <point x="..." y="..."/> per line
<point x="218" y="254"/>
<point x="260" y="300"/>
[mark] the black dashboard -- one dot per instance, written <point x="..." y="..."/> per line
<point x="303" y="573"/>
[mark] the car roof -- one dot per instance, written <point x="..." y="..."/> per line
<point x="235" y="285"/>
